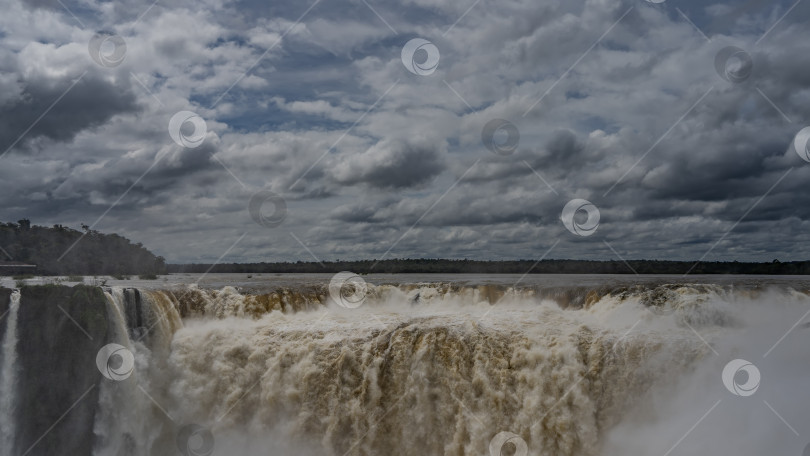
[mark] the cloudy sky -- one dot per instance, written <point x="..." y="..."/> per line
<point x="675" y="120"/>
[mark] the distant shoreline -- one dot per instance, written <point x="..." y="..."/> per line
<point x="441" y="266"/>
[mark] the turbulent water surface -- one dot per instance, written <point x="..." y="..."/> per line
<point x="441" y="365"/>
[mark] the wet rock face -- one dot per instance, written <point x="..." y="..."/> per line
<point x="57" y="370"/>
<point x="5" y="299"/>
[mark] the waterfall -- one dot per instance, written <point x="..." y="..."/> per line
<point x="8" y="374"/>
<point x="422" y="368"/>
<point x="143" y="322"/>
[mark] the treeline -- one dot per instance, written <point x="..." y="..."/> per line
<point x="404" y="266"/>
<point x="88" y="252"/>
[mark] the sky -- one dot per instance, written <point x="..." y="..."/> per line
<point x="246" y="131"/>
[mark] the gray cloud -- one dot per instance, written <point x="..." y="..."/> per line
<point x="324" y="113"/>
<point x="83" y="103"/>
<point x="391" y="164"/>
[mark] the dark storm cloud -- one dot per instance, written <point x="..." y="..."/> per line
<point x="358" y="213"/>
<point x="563" y="148"/>
<point x="53" y="4"/>
<point x="83" y="103"/>
<point x="391" y="164"/>
<point x="561" y="151"/>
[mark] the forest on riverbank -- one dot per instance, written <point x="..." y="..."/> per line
<point x="405" y="266"/>
<point x="59" y="250"/>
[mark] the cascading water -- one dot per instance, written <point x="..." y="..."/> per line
<point x="8" y="374"/>
<point x="142" y="322"/>
<point x="426" y="369"/>
<point x="417" y="370"/>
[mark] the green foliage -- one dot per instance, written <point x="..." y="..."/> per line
<point x="88" y="253"/>
<point x="148" y="277"/>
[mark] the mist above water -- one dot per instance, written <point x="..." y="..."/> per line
<point x="696" y="413"/>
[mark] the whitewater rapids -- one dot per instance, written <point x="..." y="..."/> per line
<point x="442" y="368"/>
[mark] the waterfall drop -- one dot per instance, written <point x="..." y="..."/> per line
<point x="8" y="374"/>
